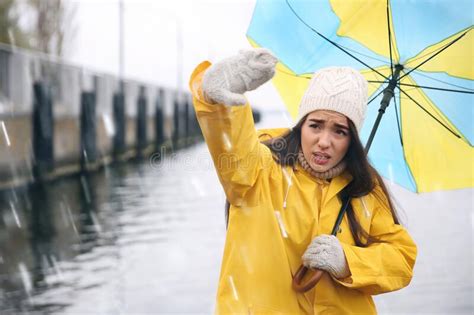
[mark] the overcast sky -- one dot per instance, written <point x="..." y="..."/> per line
<point x="207" y="29"/>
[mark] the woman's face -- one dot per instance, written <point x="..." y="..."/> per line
<point x="325" y="139"/>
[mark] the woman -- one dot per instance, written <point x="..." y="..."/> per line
<point x="285" y="195"/>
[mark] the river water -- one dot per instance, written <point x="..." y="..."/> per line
<point x="137" y="238"/>
<point x="147" y="238"/>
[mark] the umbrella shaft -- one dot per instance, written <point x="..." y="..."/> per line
<point x="388" y="94"/>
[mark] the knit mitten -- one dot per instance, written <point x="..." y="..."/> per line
<point x="326" y="253"/>
<point x="226" y="81"/>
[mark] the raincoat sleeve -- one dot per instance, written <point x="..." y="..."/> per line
<point x="383" y="266"/>
<point x="229" y="131"/>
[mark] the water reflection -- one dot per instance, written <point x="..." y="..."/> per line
<point x="116" y="241"/>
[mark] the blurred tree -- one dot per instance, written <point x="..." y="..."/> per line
<point x="53" y="25"/>
<point x="10" y="30"/>
<point x="43" y="25"/>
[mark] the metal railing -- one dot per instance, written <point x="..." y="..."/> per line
<point x="55" y="93"/>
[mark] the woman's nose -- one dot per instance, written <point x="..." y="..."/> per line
<point x="324" y="140"/>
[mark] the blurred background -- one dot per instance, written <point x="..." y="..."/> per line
<point x="109" y="202"/>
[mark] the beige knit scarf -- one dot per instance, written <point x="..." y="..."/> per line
<point x="331" y="173"/>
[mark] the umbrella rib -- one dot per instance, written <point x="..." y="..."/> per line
<point x="441" y="81"/>
<point x="389" y="38"/>
<point x="425" y="55"/>
<point x="430" y="104"/>
<point x="428" y="53"/>
<point x="333" y="43"/>
<point x="293" y="74"/>
<point x="398" y="120"/>
<point x="431" y="115"/>
<point x="361" y="54"/>
<point x="437" y="53"/>
<point x="373" y="98"/>
<point x="428" y="87"/>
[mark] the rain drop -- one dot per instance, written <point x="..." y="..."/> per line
<point x="57" y="269"/>
<point x="245" y="258"/>
<point x="71" y="218"/>
<point x="281" y="224"/>
<point x="366" y="210"/>
<point x="86" y="189"/>
<point x="234" y="290"/>
<point x="25" y="277"/>
<point x="197" y="186"/>
<point x="97" y="226"/>
<point x="86" y="158"/>
<point x="15" y="215"/>
<point x="226" y="140"/>
<point x="390" y="174"/>
<point x="5" y="133"/>
<point x="108" y="124"/>
<point x="286" y="175"/>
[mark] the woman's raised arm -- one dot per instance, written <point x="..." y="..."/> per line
<point x="226" y="120"/>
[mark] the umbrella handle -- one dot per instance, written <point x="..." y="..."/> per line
<point x="299" y="285"/>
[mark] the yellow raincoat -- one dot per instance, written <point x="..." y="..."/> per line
<point x="275" y="213"/>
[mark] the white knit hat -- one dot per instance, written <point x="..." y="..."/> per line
<point x="340" y="89"/>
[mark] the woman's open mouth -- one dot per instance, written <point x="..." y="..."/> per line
<point x="321" y="158"/>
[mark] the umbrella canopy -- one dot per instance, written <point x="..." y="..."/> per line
<point x="425" y="140"/>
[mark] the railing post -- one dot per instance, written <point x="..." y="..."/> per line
<point x="119" y="124"/>
<point x="141" y="122"/>
<point x="159" y="121"/>
<point x="176" y="124"/>
<point x="88" y="129"/>
<point x="43" y="130"/>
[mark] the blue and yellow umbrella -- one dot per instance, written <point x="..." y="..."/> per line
<point x="422" y="52"/>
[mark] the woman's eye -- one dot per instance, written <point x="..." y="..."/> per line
<point x="341" y="132"/>
<point x="314" y="126"/>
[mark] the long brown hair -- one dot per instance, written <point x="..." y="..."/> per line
<point x="365" y="177"/>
